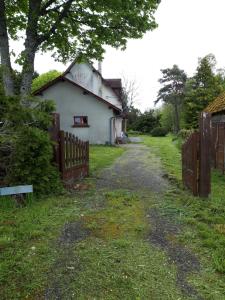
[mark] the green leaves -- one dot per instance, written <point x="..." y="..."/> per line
<point x="26" y="151"/>
<point x="201" y="89"/>
<point x="72" y="27"/>
<point x="44" y="78"/>
<point x="172" y="91"/>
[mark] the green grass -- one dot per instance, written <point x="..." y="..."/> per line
<point x="167" y="150"/>
<point x="116" y="261"/>
<point x="204" y="219"/>
<point x="103" y="156"/>
<point x="28" y="234"/>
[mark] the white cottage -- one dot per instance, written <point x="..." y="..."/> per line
<point x="90" y="106"/>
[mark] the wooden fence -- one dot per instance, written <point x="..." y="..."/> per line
<point x="70" y="153"/>
<point x="196" y="159"/>
<point x="190" y="163"/>
<point x="218" y="146"/>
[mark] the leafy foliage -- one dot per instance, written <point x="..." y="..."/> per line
<point x="72" y="27"/>
<point x="189" y="96"/>
<point x="44" y="78"/>
<point x="172" y="92"/>
<point x="146" y="121"/>
<point x="159" y="131"/>
<point x="167" y="117"/>
<point x="69" y="29"/>
<point x="25" y="146"/>
<point x="201" y="89"/>
<point x="31" y="161"/>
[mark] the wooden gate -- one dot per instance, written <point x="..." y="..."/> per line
<point x="71" y="155"/>
<point x="74" y="156"/>
<point x="196" y="159"/>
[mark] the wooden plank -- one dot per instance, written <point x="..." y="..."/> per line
<point x="14" y="190"/>
<point x="220" y="147"/>
<point x="67" y="149"/>
<point x="70" y="150"/>
<point x="62" y="151"/>
<point x="190" y="163"/>
<point x="204" y="155"/>
<point x="76" y="150"/>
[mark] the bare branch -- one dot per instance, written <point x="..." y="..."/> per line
<point x="46" y="5"/>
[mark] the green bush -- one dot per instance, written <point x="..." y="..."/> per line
<point x="25" y="147"/>
<point x="159" y="131"/>
<point x="31" y="161"/>
<point x="185" y="133"/>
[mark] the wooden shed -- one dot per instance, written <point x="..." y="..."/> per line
<point x="217" y="110"/>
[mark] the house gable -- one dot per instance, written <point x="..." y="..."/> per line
<point x="85" y="75"/>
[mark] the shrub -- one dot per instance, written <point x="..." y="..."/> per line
<point x="159" y="131"/>
<point x="185" y="133"/>
<point x="31" y="161"/>
<point x="25" y="147"/>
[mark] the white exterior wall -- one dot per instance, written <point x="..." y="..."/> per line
<point x="83" y="75"/>
<point x="70" y="101"/>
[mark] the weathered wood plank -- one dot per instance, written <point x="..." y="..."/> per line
<point x="14" y="190"/>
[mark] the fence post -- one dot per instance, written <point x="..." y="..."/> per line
<point x="204" y="155"/>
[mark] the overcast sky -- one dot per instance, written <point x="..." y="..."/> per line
<point x="188" y="29"/>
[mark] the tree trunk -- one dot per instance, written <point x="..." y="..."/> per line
<point x="31" y="45"/>
<point x="4" y="52"/>
<point x="177" y="119"/>
<point x="28" y="70"/>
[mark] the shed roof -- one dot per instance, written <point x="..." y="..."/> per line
<point x="217" y="105"/>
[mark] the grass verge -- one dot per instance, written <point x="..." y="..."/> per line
<point x="204" y="219"/>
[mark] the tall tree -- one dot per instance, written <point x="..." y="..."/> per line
<point x="201" y="89"/>
<point x="68" y="28"/>
<point x="173" y="81"/>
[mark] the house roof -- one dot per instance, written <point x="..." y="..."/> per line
<point x="217" y="105"/>
<point x="63" y="78"/>
<point x="116" y="85"/>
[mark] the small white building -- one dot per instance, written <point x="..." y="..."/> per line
<point x="90" y="106"/>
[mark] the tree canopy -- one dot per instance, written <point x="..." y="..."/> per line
<point x="44" y="78"/>
<point x="68" y="28"/>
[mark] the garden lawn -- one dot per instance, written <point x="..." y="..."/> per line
<point x="203" y="219"/>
